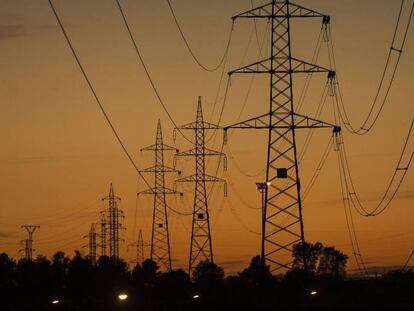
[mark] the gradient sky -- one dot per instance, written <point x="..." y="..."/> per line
<point x="58" y="155"/>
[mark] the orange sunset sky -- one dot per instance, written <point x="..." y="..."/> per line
<point x="58" y="154"/>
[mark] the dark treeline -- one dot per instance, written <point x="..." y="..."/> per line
<point x="80" y="284"/>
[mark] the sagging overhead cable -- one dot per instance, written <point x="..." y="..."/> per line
<point x="150" y="79"/>
<point x="394" y="184"/>
<point x="384" y="87"/>
<point x="190" y="50"/>
<point x="98" y="101"/>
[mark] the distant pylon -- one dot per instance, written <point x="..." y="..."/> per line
<point x="160" y="238"/>
<point x="139" y="246"/>
<point x="282" y="213"/>
<point x="102" y="235"/>
<point x="91" y="243"/>
<point x="200" y="245"/>
<point x="28" y="243"/>
<point x="113" y="215"/>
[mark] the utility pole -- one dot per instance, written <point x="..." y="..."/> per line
<point x="113" y="215"/>
<point x="91" y="243"/>
<point x="200" y="245"/>
<point x="160" y="238"/>
<point x="283" y="221"/>
<point x="28" y="243"/>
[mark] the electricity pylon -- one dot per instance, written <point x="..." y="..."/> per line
<point x="283" y="221"/>
<point x="200" y="245"/>
<point x="160" y="239"/>
<point x="113" y="215"/>
<point x="91" y="243"/>
<point x="102" y="235"/>
<point x="139" y="246"/>
<point x="28" y="243"/>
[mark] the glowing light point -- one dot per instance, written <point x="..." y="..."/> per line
<point x="313" y="293"/>
<point x="55" y="302"/>
<point x="196" y="296"/>
<point x="122" y="297"/>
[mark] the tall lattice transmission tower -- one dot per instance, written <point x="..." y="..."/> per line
<point x="28" y="243"/>
<point x="139" y="248"/>
<point x="282" y="213"/>
<point x="200" y="245"/>
<point x="102" y="234"/>
<point x="160" y="239"/>
<point x="92" y="237"/>
<point x="113" y="215"/>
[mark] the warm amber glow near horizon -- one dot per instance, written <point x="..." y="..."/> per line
<point x="58" y="155"/>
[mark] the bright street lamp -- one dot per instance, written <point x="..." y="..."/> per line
<point x="262" y="188"/>
<point x="122" y="297"/>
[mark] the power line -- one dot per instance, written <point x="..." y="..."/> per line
<point x="150" y="79"/>
<point x="318" y="169"/>
<point x="98" y="101"/>
<point x="222" y="60"/>
<point x="350" y="226"/>
<point x="238" y="218"/>
<point x="309" y="76"/>
<point x="396" y="179"/>
<point x="369" y="122"/>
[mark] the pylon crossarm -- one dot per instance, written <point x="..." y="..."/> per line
<point x="211" y="152"/>
<point x="207" y="178"/>
<point x="195" y="125"/>
<point x="301" y="66"/>
<point x="300" y="11"/>
<point x="260" y="66"/>
<point x="159" y="191"/>
<point x="264" y="66"/>
<point x="114" y="197"/>
<point x="163" y="169"/>
<point x="302" y="121"/>
<point x="193" y="152"/>
<point x="162" y="147"/>
<point x="260" y="122"/>
<point x="187" y="153"/>
<point x="265" y="11"/>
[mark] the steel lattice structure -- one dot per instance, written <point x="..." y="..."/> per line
<point x="282" y="214"/>
<point x="139" y="245"/>
<point x="113" y="216"/>
<point x="91" y="236"/>
<point x="102" y="235"/>
<point x="28" y="243"/>
<point x="200" y="245"/>
<point x="160" y="239"/>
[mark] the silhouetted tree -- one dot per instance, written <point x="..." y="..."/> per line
<point x="80" y="280"/>
<point x="172" y="289"/>
<point x="60" y="264"/>
<point x="143" y="279"/>
<point x="320" y="260"/>
<point x="312" y="253"/>
<point x="208" y="278"/>
<point x="332" y="263"/>
<point x="256" y="274"/>
<point x="7" y="283"/>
